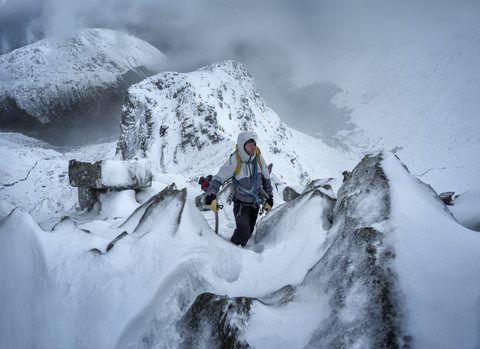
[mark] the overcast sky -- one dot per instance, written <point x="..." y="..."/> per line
<point x="284" y="44"/>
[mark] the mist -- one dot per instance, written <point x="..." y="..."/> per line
<point x="288" y="46"/>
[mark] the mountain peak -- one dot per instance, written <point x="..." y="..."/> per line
<point x="44" y="79"/>
<point x="189" y="122"/>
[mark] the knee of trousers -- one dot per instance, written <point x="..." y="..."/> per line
<point x="243" y="227"/>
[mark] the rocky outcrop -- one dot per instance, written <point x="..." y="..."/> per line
<point x="92" y="179"/>
<point x="290" y="194"/>
<point x="447" y="197"/>
<point x="215" y="322"/>
<point x="359" y="265"/>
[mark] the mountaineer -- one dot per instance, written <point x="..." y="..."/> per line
<point x="251" y="181"/>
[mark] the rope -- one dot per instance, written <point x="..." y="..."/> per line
<point x="253" y="182"/>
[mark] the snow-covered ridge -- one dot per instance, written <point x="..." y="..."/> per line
<point x="47" y="77"/>
<point x="189" y="122"/>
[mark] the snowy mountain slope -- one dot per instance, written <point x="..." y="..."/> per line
<point x="137" y="291"/>
<point x="57" y="79"/>
<point x="417" y="98"/>
<point x="179" y="120"/>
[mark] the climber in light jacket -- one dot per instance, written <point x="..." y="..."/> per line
<point x="250" y="178"/>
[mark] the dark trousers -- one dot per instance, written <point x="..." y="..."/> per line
<point x="245" y="218"/>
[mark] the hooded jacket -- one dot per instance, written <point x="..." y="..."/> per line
<point x="244" y="176"/>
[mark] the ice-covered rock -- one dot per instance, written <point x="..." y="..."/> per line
<point x="215" y="322"/>
<point x="107" y="175"/>
<point x="357" y="271"/>
<point x="447" y="197"/>
<point x="169" y="203"/>
<point x="110" y="174"/>
<point x="290" y="194"/>
<point x="180" y="120"/>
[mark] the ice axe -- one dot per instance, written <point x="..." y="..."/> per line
<point x="265" y="206"/>
<point x="214" y="206"/>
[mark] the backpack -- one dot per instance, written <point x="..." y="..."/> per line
<point x="239" y="161"/>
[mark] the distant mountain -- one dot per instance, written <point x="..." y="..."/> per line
<point x="72" y="81"/>
<point x="418" y="98"/>
<point x="188" y="123"/>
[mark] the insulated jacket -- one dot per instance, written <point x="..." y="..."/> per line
<point x="244" y="176"/>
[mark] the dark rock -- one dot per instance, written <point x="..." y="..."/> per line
<point x="197" y="111"/>
<point x="85" y="174"/>
<point x="447" y="197"/>
<point x="345" y="174"/>
<point x="114" y="241"/>
<point x="215" y="322"/>
<point x="290" y="194"/>
<point x="88" y="198"/>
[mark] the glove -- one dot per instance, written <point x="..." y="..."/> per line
<point x="270" y="201"/>
<point x="209" y="198"/>
<point x="213" y="206"/>
<point x="269" y="204"/>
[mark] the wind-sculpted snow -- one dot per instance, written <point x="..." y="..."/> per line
<point x="163" y="209"/>
<point x="50" y="80"/>
<point x="24" y="280"/>
<point x="311" y="209"/>
<point x="177" y="120"/>
<point x="45" y="272"/>
<point x="215" y="321"/>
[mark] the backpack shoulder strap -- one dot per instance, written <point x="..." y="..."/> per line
<point x="239" y="161"/>
<point x="258" y="157"/>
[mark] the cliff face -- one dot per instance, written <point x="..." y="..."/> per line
<point x="179" y="120"/>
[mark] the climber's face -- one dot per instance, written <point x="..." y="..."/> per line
<point x="250" y="148"/>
